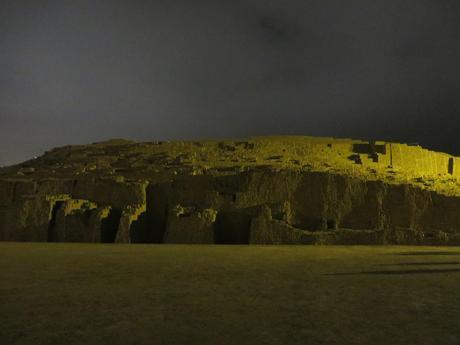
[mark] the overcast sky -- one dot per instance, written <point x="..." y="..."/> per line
<point x="76" y="72"/>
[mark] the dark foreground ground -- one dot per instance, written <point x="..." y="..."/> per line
<point x="179" y="294"/>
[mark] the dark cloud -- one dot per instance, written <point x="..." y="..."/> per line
<point x="275" y="29"/>
<point x="81" y="71"/>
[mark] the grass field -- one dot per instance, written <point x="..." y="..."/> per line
<point x="191" y="294"/>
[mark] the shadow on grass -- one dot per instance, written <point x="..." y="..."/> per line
<point x="422" y="263"/>
<point x="399" y="272"/>
<point x="426" y="253"/>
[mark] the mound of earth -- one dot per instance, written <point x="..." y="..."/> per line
<point x="256" y="190"/>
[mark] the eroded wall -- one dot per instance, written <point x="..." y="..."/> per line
<point x="265" y="206"/>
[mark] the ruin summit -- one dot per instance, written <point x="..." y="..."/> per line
<point x="264" y="190"/>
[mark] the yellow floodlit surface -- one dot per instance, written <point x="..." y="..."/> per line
<point x="157" y="161"/>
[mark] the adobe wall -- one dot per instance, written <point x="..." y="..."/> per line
<point x="412" y="159"/>
<point x="417" y="159"/>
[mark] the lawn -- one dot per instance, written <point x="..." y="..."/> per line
<point x="88" y="294"/>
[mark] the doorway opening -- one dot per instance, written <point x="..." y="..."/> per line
<point x="109" y="226"/>
<point x="232" y="228"/>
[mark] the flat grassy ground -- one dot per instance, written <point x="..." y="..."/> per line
<point x="191" y="294"/>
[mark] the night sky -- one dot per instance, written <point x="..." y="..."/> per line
<point x="74" y="72"/>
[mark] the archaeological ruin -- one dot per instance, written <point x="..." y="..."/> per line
<point x="261" y="190"/>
